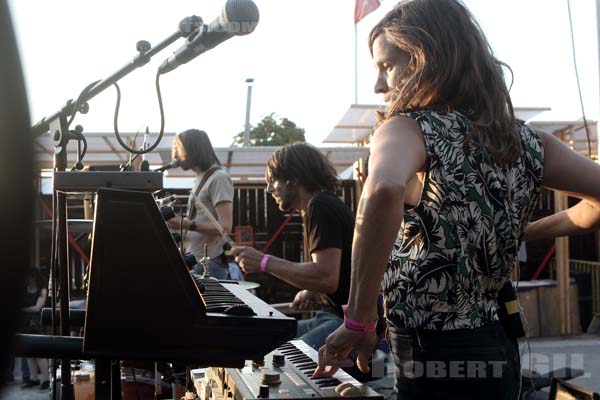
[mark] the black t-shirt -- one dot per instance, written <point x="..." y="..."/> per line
<point x="329" y="223"/>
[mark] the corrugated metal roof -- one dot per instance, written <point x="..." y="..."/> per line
<point x="357" y="123"/>
<point x="241" y="162"/>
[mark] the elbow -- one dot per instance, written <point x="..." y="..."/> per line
<point x="227" y="227"/>
<point x="382" y="195"/>
<point x="226" y="223"/>
<point x="330" y="286"/>
<point x="388" y="191"/>
<point x="590" y="219"/>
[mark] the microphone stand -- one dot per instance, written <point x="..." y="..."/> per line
<point x="58" y="126"/>
<point x="145" y="52"/>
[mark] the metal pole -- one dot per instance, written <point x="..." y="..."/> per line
<point x="356" y="64"/>
<point x="598" y="45"/>
<point x="249" y="81"/>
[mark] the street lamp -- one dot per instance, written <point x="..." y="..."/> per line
<point x="249" y="81"/>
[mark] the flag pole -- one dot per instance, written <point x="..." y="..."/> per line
<point x="355" y="64"/>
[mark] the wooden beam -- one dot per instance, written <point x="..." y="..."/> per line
<point x="228" y="162"/>
<point x="562" y="270"/>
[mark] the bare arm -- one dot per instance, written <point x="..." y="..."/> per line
<point x="320" y="275"/>
<point x="567" y="171"/>
<point x="41" y="300"/>
<point x="397" y="154"/>
<point x="224" y="216"/>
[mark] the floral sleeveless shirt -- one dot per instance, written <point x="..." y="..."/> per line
<point x="457" y="246"/>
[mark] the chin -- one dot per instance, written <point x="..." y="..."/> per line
<point x="284" y="207"/>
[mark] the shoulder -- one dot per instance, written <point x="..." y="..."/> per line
<point x="325" y="199"/>
<point x="536" y="136"/>
<point x="220" y="175"/>
<point x="328" y="203"/>
<point x="398" y="144"/>
<point x="401" y="124"/>
<point x="534" y="141"/>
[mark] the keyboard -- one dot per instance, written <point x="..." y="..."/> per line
<point x="92" y="181"/>
<point x="144" y="304"/>
<point x="284" y="373"/>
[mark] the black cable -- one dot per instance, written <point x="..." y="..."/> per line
<point x="81" y="138"/>
<point x="131" y="159"/>
<point x="85" y="146"/>
<point x="181" y="247"/>
<point x="77" y="105"/>
<point x="587" y="129"/>
<point x="162" y="121"/>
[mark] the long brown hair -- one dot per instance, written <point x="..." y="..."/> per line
<point x="193" y="147"/>
<point x="451" y="67"/>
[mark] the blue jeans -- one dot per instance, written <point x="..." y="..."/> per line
<point x="24" y="371"/>
<point x="315" y="330"/>
<point x="216" y="269"/>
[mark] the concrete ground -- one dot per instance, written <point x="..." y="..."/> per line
<point x="579" y="352"/>
<point x="14" y="391"/>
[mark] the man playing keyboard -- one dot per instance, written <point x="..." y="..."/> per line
<point x="300" y="177"/>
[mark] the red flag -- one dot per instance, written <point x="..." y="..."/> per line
<point x="364" y="7"/>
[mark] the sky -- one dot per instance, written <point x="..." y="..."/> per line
<point x="301" y="57"/>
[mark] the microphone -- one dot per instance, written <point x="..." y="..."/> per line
<point x="238" y="18"/>
<point x="166" y="200"/>
<point x="172" y="164"/>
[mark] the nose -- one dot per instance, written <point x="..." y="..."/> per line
<point x="381" y="86"/>
<point x="270" y="187"/>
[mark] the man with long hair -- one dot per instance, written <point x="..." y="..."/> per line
<point x="300" y="177"/>
<point x="214" y="189"/>
<point x="453" y="182"/>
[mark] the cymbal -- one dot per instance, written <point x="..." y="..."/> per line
<point x="248" y="285"/>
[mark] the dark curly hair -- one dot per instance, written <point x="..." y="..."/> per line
<point x="304" y="164"/>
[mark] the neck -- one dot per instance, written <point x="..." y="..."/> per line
<point x="304" y="198"/>
<point x="199" y="171"/>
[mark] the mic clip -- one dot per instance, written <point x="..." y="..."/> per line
<point x="189" y="25"/>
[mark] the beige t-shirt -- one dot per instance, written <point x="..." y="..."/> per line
<point x="217" y="189"/>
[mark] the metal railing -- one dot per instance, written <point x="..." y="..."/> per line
<point x="588" y="267"/>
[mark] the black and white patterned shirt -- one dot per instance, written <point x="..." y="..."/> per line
<point x="457" y="246"/>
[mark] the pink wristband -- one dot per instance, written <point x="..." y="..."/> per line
<point x="263" y="262"/>
<point x="356" y="326"/>
<point x="363" y="327"/>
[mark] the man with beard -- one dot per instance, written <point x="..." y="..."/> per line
<point x="214" y="189"/>
<point x="300" y="177"/>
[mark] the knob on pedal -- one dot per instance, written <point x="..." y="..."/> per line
<point x="263" y="391"/>
<point x="258" y="363"/>
<point x="270" y="378"/>
<point x="278" y="359"/>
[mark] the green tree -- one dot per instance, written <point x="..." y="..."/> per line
<point x="271" y="132"/>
